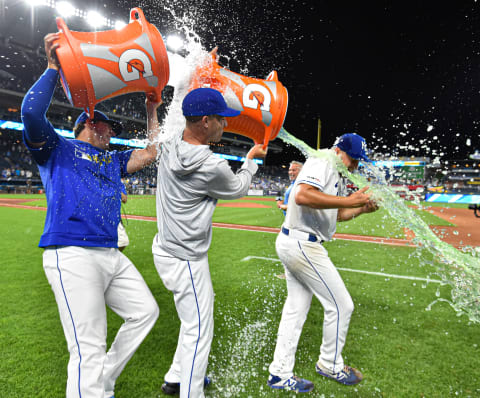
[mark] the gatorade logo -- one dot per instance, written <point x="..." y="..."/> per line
<point x="252" y="97"/>
<point x="133" y="62"/>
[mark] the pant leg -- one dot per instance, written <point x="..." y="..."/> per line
<point x="191" y="285"/>
<point x="323" y="279"/>
<point x="128" y="296"/>
<point x="78" y="284"/>
<point x="294" y="314"/>
<point x="174" y="374"/>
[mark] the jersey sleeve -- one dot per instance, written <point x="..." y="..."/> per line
<point x="225" y="184"/>
<point x="37" y="128"/>
<point x="315" y="173"/>
<point x="123" y="158"/>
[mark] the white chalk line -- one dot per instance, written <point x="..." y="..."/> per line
<point x="385" y="275"/>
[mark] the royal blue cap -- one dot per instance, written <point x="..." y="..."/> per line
<point x="100" y="117"/>
<point x="206" y="102"/>
<point x="353" y="145"/>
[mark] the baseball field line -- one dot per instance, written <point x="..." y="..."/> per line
<point x="393" y="276"/>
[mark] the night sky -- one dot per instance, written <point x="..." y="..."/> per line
<point x="404" y="76"/>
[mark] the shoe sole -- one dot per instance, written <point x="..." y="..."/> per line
<point x="290" y="389"/>
<point x="170" y="391"/>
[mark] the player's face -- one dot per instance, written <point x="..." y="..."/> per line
<point x="293" y="171"/>
<point x="216" y="125"/>
<point x="350" y="163"/>
<point x="103" y="133"/>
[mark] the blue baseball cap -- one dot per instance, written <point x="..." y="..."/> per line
<point x="353" y="145"/>
<point x="100" y="117"/>
<point x="206" y="102"/>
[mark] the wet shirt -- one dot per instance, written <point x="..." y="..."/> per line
<point x="82" y="183"/>
<point x="190" y="181"/>
<point x="321" y="174"/>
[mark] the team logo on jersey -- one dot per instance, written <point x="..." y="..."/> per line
<point x="98" y="159"/>
<point x="313" y="178"/>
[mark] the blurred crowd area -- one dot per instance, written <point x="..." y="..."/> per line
<point x="20" y="67"/>
<point x="273" y="181"/>
<point x="19" y="173"/>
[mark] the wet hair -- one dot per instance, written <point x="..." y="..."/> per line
<point x="78" y="129"/>
<point x="193" y="119"/>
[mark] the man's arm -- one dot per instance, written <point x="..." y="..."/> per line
<point x="348" y="214"/>
<point x="37" y="100"/>
<point x="308" y="195"/>
<point x="228" y="185"/>
<point x="143" y="157"/>
<point x="348" y="206"/>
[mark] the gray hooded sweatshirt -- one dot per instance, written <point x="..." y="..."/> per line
<point x="189" y="183"/>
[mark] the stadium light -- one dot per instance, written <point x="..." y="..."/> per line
<point x="120" y="24"/>
<point x="34" y="3"/>
<point x="95" y="19"/>
<point x="65" y="9"/>
<point x="174" y="43"/>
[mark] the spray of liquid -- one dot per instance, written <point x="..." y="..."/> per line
<point x="460" y="270"/>
<point x="235" y="368"/>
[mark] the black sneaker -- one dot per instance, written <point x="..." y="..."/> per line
<point x="174" y="388"/>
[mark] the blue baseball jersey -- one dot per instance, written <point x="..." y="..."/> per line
<point x="82" y="183"/>
<point x="287" y="195"/>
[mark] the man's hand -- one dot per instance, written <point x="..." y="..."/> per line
<point x="152" y="102"/>
<point x="214" y="54"/>
<point x="359" y="198"/>
<point x="50" y="48"/>
<point x="257" y="151"/>
<point x="370" y="207"/>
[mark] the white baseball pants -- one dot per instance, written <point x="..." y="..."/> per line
<point x="123" y="240"/>
<point x="84" y="280"/>
<point x="309" y="271"/>
<point x="192" y="289"/>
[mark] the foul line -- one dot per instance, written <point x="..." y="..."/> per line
<point x="393" y="276"/>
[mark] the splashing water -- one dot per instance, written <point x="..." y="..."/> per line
<point x="245" y="346"/>
<point x="459" y="270"/>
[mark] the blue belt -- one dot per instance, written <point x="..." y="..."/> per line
<point x="301" y="235"/>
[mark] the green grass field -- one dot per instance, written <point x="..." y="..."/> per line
<point x="403" y="349"/>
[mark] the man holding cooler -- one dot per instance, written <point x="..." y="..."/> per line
<point x="191" y="181"/>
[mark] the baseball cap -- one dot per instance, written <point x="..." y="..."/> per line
<point x="100" y="117"/>
<point x="353" y="145"/>
<point x="206" y="101"/>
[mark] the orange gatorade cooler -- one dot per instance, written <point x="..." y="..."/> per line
<point x="262" y="103"/>
<point x="100" y="65"/>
